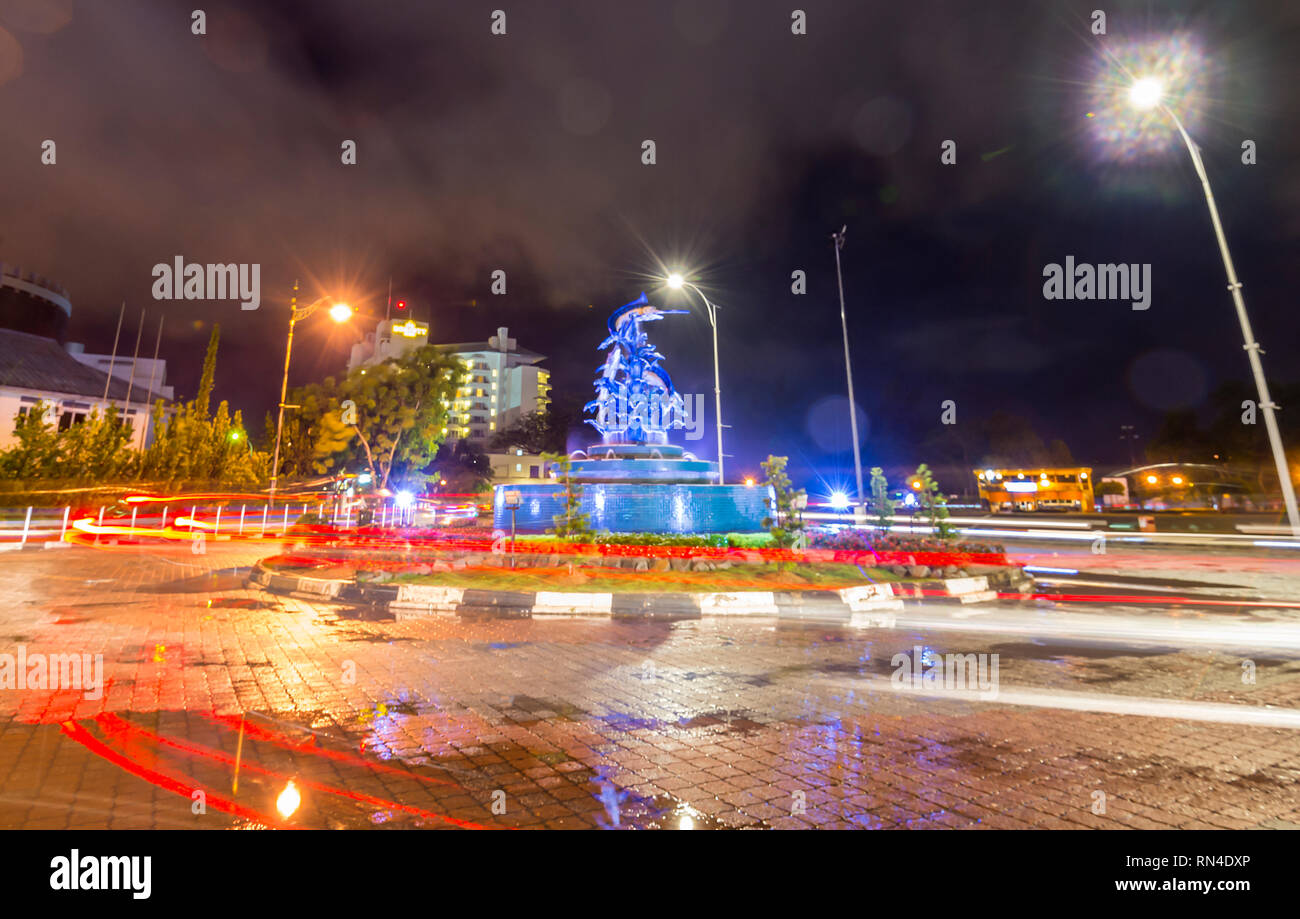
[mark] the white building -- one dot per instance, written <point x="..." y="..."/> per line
<point x="142" y="373"/>
<point x="37" y="367"/>
<point x="502" y="384"/>
<point x="516" y="466"/>
<point x="391" y="339"/>
<point x="34" y="369"/>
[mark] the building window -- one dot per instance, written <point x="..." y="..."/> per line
<point x="534" y="472"/>
<point x="68" y="419"/>
<point x="519" y="467"/>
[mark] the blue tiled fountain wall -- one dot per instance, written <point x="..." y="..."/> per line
<point x="640" y="508"/>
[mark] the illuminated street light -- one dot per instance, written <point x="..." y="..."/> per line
<point x="839" y="500"/>
<point x="1177" y="480"/>
<point x="339" y="312"/>
<point x="677" y="282"/>
<point x="1146" y="93"/>
<point x="1151" y="480"/>
<point x="838" y="239"/>
<point x="1149" y="93"/>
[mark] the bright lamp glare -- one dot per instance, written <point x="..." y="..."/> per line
<point x="675" y="281"/>
<point x="288" y="801"/>
<point x="839" y="500"/>
<point x="405" y="499"/>
<point x="340" y="312"/>
<point x="1146" y="93"/>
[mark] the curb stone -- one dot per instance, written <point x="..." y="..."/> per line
<point x="861" y="606"/>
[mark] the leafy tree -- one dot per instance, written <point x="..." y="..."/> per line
<point x="543" y="431"/>
<point x="534" y="433"/>
<point x="96" y="448"/>
<point x="37" y="451"/>
<point x="933" y="503"/>
<point x="395" y="422"/>
<point x="880" y="499"/>
<point x="572" y="524"/>
<point x="786" y="523"/>
<point x="463" y="468"/>
<point x="188" y="445"/>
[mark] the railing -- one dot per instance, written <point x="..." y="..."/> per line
<point x="32" y="526"/>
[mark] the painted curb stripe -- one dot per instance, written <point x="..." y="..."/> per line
<point x="748" y="603"/>
<point x="861" y="606"/>
<point x="556" y="603"/>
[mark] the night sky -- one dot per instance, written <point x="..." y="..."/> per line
<point x="523" y="152"/>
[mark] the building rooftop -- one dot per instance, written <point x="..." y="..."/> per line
<point x="469" y="347"/>
<point x="41" y="364"/>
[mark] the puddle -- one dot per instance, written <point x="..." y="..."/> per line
<point x="1057" y="651"/>
<point x="623" y="809"/>
<point x="241" y="603"/>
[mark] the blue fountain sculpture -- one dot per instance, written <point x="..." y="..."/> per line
<point x="635" y="480"/>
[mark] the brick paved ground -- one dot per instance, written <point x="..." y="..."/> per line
<point x="570" y="723"/>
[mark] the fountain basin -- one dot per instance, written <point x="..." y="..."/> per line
<point x="639" y="507"/>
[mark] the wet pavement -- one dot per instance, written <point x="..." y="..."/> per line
<point x="217" y="697"/>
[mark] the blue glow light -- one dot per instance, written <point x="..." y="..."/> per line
<point x="839" y="500"/>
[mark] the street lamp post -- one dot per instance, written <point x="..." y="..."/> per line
<point x="339" y="312"/>
<point x="848" y="369"/>
<point x="677" y="282"/>
<point x="1146" y="93"/>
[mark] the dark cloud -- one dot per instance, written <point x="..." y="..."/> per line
<point x="522" y="152"/>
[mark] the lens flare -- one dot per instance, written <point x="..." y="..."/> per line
<point x="1134" y="83"/>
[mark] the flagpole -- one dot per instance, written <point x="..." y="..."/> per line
<point x="153" y="369"/>
<point x="135" y="356"/>
<point x="113" y="358"/>
<point x="130" y="381"/>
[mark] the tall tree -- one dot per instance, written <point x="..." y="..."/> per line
<point x="389" y="417"/>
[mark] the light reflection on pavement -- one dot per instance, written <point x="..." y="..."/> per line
<point x="443" y="723"/>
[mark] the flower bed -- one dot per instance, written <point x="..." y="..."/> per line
<point x="908" y="552"/>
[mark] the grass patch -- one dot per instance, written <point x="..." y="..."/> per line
<point x="619" y="580"/>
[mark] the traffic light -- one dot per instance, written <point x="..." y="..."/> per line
<point x="401" y="304"/>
